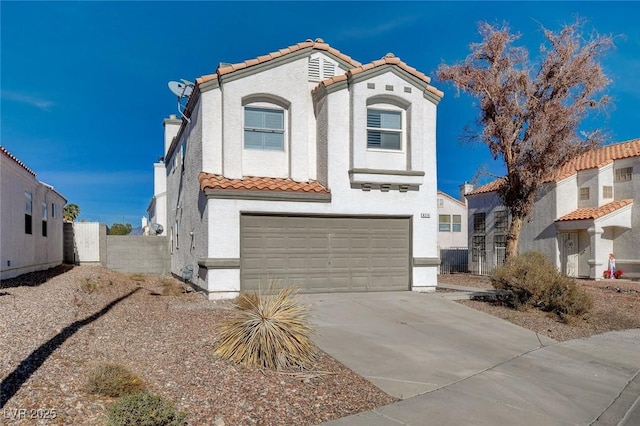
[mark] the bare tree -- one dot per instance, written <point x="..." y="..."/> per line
<point x="530" y="112"/>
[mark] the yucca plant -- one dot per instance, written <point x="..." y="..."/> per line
<point x="268" y="331"/>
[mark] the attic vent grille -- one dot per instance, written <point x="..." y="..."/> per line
<point x="321" y="69"/>
<point x="314" y="69"/>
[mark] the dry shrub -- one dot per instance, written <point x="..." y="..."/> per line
<point x="268" y="331"/>
<point x="137" y="277"/>
<point x="247" y="300"/>
<point x="534" y="281"/>
<point x="113" y="380"/>
<point x="143" y="409"/>
<point x="89" y="285"/>
<point x="171" y="287"/>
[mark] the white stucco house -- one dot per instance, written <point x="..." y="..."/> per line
<point x="583" y="213"/>
<point x="31" y="223"/>
<point x="452" y="222"/>
<point x="305" y="166"/>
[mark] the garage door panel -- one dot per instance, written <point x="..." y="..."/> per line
<point x="321" y="254"/>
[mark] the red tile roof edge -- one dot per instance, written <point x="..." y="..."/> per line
<point x="595" y="158"/>
<point x="388" y="59"/>
<point x="318" y="44"/>
<point x="595" y="213"/>
<point x="255" y="183"/>
<point x="15" y="159"/>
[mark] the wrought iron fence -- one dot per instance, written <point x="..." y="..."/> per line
<point x="454" y="260"/>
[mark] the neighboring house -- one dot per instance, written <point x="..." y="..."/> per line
<point x="452" y="233"/>
<point x="452" y="222"/>
<point x="306" y="166"/>
<point x="31" y="221"/>
<point x="582" y="214"/>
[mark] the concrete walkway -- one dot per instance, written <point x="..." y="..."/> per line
<point x="453" y="365"/>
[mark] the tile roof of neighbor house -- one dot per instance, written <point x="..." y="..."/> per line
<point x="317" y="44"/>
<point x="589" y="160"/>
<point x="15" y="160"/>
<point x="213" y="181"/>
<point x="388" y="59"/>
<point x="595" y="213"/>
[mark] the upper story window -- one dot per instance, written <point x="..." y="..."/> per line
<point x="501" y="218"/>
<point x="440" y="203"/>
<point x="28" y="213"/>
<point x="479" y="223"/>
<point x="624" y="174"/>
<point x="607" y="191"/>
<point x="263" y="128"/>
<point x="456" y="225"/>
<point x="584" y="194"/>
<point x="384" y="129"/>
<point x="54" y="210"/>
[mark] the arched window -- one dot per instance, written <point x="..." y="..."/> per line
<point x="265" y="122"/>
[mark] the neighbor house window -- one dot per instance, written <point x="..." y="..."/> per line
<point x="54" y="210"/>
<point x="264" y="129"/>
<point x="479" y="223"/>
<point x="28" y="213"/>
<point x="44" y="219"/>
<point x="500" y="244"/>
<point x="607" y="191"/>
<point x="384" y="129"/>
<point x="440" y="203"/>
<point x="444" y="223"/>
<point x="584" y="194"/>
<point x="457" y="223"/>
<point x="478" y="243"/>
<point x="624" y="174"/>
<point x="501" y="221"/>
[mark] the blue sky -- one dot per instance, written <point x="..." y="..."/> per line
<point x="84" y="84"/>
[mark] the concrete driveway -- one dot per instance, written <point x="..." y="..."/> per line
<point x="453" y="365"/>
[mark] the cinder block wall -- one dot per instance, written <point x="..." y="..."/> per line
<point x="138" y="254"/>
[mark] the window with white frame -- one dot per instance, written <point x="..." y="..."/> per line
<point x="54" y="210"/>
<point x="44" y="219"/>
<point x="264" y="128"/>
<point x="624" y="174"/>
<point x="384" y="129"/>
<point x="440" y="203"/>
<point x="28" y="213"/>
<point x="456" y="223"/>
<point x="607" y="191"/>
<point x="444" y="223"/>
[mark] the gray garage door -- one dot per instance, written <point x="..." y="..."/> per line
<point x="322" y="254"/>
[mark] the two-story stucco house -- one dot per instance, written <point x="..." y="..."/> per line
<point x="305" y="166"/>
<point x="31" y="225"/>
<point x="581" y="215"/>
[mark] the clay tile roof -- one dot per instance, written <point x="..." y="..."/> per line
<point x="589" y="160"/>
<point x="319" y="44"/>
<point x="595" y="213"/>
<point x="15" y="160"/>
<point x="213" y="181"/>
<point x="388" y="59"/>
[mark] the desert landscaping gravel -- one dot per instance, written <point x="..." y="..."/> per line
<point x="616" y="306"/>
<point x="53" y="330"/>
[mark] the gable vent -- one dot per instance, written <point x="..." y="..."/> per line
<point x="321" y="69"/>
<point x="314" y="69"/>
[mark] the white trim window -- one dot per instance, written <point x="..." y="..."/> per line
<point x="444" y="223"/>
<point x="263" y="128"/>
<point x="44" y="219"/>
<point x="384" y="129"/>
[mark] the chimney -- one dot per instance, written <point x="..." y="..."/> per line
<point x="465" y="188"/>
<point x="171" y="127"/>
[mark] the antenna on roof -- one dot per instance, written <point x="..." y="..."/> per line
<point x="182" y="89"/>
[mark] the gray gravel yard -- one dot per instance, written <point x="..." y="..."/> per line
<point x="53" y="332"/>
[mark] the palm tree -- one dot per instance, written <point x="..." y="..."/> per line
<point x="71" y="212"/>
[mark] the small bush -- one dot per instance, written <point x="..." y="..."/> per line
<point x="534" y="281"/>
<point x="113" y="380"/>
<point x="137" y="277"/>
<point x="171" y="287"/>
<point x="268" y="331"/>
<point x="143" y="409"/>
<point x="247" y="300"/>
<point x="89" y="285"/>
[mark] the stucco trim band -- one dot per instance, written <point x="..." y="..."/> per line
<point x="219" y="263"/>
<point x="312" y="197"/>
<point x="426" y="261"/>
<point x="388" y="172"/>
